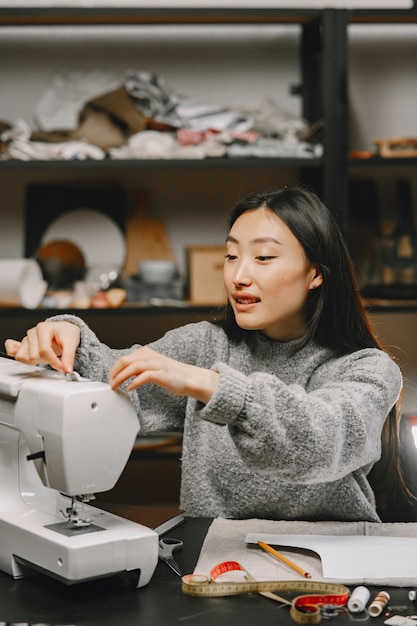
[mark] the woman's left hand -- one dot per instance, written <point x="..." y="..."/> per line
<point x="144" y="365"/>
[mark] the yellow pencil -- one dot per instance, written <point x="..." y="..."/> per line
<point x="284" y="559"/>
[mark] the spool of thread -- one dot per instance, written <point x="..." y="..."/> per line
<point x="378" y="603"/>
<point x="358" y="600"/>
<point x="412" y="594"/>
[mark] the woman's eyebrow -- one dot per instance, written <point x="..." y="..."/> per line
<point x="257" y="240"/>
<point x="266" y="240"/>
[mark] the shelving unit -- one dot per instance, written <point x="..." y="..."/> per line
<point x="382" y="18"/>
<point x="323" y="58"/>
<point x="324" y="72"/>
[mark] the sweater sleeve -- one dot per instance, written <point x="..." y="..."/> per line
<point x="157" y="409"/>
<point x="308" y="435"/>
<point x="93" y="358"/>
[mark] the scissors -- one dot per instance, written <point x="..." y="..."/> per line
<point x="166" y="548"/>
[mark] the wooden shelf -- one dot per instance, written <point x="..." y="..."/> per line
<point x="116" y="16"/>
<point x="383" y="16"/>
<point x="377" y="161"/>
<point x="67" y="16"/>
<point x="75" y="164"/>
<point x="118" y="328"/>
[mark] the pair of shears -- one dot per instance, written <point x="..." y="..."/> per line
<point x="167" y="547"/>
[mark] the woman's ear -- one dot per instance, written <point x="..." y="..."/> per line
<point x="317" y="279"/>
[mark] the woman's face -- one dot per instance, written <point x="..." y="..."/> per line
<point x="267" y="275"/>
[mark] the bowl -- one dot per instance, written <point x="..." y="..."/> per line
<point x="157" y="272"/>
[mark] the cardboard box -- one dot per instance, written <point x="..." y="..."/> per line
<point x="205" y="274"/>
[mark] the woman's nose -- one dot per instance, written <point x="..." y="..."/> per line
<point x="242" y="275"/>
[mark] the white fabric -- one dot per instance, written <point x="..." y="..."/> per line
<point x="225" y="541"/>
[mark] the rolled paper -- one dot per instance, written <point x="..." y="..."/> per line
<point x="21" y="283"/>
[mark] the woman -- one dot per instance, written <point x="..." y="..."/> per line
<point x="282" y="406"/>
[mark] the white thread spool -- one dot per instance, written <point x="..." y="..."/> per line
<point x="358" y="600"/>
<point x="379" y="603"/>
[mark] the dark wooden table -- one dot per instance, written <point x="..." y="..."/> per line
<point x="110" y="602"/>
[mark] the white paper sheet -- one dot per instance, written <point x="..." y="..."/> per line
<point x="353" y="557"/>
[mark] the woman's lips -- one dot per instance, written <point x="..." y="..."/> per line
<point x="245" y="301"/>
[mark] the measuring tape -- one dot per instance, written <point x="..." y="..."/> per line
<point x="304" y="609"/>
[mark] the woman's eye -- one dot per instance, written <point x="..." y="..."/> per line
<point x="265" y="258"/>
<point x="230" y="257"/>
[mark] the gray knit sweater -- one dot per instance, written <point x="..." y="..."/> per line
<point x="283" y="437"/>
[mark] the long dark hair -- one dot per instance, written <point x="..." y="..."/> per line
<point x="335" y="314"/>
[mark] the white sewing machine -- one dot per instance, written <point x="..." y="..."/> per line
<point x="60" y="442"/>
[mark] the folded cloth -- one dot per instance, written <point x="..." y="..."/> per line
<point x="38" y="151"/>
<point x="20" y="146"/>
<point x="225" y="541"/>
<point x="109" y="120"/>
<point x="273" y="147"/>
<point x="155" y="99"/>
<point x="68" y="91"/>
<point x="152" y="144"/>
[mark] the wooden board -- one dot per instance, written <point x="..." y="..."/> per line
<point x="397" y="148"/>
<point x="146" y="238"/>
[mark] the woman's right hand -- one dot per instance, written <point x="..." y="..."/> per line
<point x="54" y="343"/>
